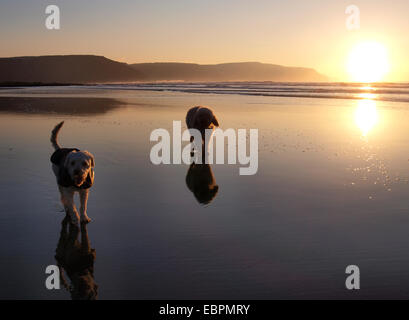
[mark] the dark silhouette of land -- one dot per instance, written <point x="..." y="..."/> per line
<point x="88" y="69"/>
<point x="242" y="71"/>
<point x="64" y="69"/>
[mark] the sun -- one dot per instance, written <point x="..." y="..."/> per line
<point x="368" y="62"/>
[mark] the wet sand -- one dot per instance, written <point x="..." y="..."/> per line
<point x="331" y="191"/>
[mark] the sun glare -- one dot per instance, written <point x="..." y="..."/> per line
<point x="366" y="115"/>
<point x="368" y="62"/>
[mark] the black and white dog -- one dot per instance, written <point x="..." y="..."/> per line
<point x="74" y="170"/>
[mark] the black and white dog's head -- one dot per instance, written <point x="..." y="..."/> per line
<point x="76" y="168"/>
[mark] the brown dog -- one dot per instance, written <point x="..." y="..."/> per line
<point x="201" y="118"/>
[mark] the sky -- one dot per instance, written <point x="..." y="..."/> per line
<point x="292" y="32"/>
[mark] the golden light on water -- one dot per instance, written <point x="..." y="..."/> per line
<point x="367" y="96"/>
<point x="368" y="62"/>
<point x="366" y="116"/>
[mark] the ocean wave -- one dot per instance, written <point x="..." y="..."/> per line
<point x="398" y="92"/>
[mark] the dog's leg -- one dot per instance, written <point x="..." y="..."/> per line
<point x="83" y="208"/>
<point x="67" y="199"/>
<point x="65" y="204"/>
<point x="64" y="231"/>
<point x="85" y="243"/>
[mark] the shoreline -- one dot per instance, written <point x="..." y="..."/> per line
<point x="387" y="92"/>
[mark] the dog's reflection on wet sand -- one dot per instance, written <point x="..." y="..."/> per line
<point x="76" y="258"/>
<point x="200" y="180"/>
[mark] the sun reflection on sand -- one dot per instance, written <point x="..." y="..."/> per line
<point x="366" y="115"/>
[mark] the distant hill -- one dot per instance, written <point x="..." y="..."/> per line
<point x="242" y="71"/>
<point x="83" y="69"/>
<point x="64" y="69"/>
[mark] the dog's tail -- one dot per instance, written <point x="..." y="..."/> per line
<point x="54" y="135"/>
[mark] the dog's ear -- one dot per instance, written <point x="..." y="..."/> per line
<point x="91" y="158"/>
<point x="90" y="179"/>
<point x="91" y="176"/>
<point x="215" y="121"/>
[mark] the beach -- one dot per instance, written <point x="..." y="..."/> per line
<point x="330" y="191"/>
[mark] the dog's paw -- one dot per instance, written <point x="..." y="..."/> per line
<point x="85" y="220"/>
